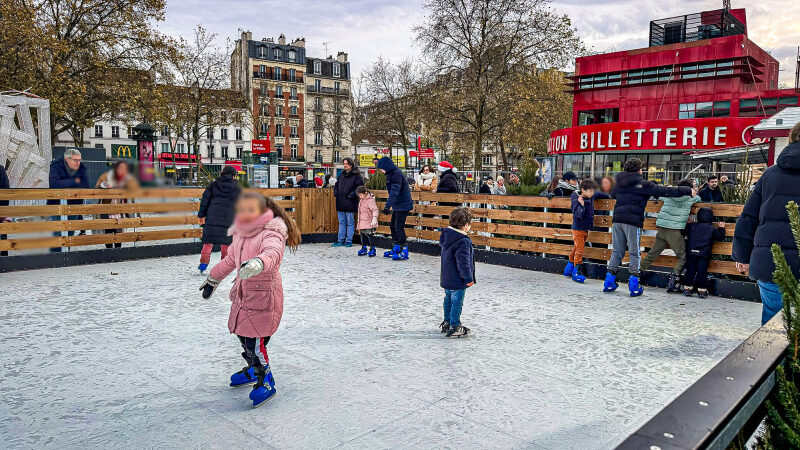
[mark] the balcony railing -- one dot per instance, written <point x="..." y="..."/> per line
<point x="326" y="90"/>
<point x="269" y="75"/>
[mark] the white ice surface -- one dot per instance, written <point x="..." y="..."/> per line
<point x="140" y="360"/>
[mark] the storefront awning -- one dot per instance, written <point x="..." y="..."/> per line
<point x="755" y="154"/>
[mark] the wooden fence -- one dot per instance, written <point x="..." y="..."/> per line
<point x="147" y="215"/>
<point x="541" y="225"/>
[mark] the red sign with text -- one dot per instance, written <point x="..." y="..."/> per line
<point x="260" y="146"/>
<point x="179" y="158"/>
<point x="675" y="134"/>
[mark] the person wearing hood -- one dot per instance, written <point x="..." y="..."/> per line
<point x="632" y="192"/>
<point x="347" y="202"/>
<point x="217" y="209"/>
<point x="700" y="238"/>
<point x="448" y="182"/>
<point x="399" y="204"/>
<point x="457" y="270"/>
<point x="764" y="221"/>
<point x="566" y="186"/>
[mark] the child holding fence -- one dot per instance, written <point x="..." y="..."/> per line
<point x="701" y="236"/>
<point x="261" y="231"/>
<point x="367" y="220"/>
<point x="582" y="223"/>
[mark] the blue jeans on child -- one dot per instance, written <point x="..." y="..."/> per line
<point x="347" y="226"/>
<point x="771" y="300"/>
<point x="453" y="301"/>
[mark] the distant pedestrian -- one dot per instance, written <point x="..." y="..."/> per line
<point x="347" y="202"/>
<point x="217" y="209"/>
<point x="399" y="203"/>
<point x="448" y="181"/>
<point x="607" y="184"/>
<point x="301" y="182"/>
<point x="68" y="172"/>
<point x="367" y="220"/>
<point x="764" y="221"/>
<point x="487" y="186"/>
<point x="566" y="186"/>
<point x="457" y="270"/>
<point x="499" y="187"/>
<point x="427" y="180"/>
<point x="119" y="177"/>
<point x="700" y="238"/>
<point x="711" y="192"/>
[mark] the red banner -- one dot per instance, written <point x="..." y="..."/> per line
<point x="412" y="153"/>
<point x="179" y="158"/>
<point x="426" y="153"/>
<point x="674" y="134"/>
<point x="261" y="146"/>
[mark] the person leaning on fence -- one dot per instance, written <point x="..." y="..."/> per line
<point x="764" y="221"/>
<point x="700" y="237"/>
<point x="345" y="192"/>
<point x="367" y="220"/>
<point x="566" y="185"/>
<point x="426" y="179"/>
<point x="68" y="172"/>
<point x="582" y="223"/>
<point x="216" y="213"/>
<point x="711" y="192"/>
<point x="499" y="187"/>
<point x="632" y="193"/>
<point x="119" y="177"/>
<point x="399" y="203"/>
<point x="671" y="222"/>
<point x="448" y="182"/>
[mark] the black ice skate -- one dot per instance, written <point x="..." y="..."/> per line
<point x="702" y="293"/>
<point x="674" y="284"/>
<point x="457" y="332"/>
<point x="444" y="326"/>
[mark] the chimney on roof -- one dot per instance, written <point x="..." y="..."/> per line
<point x="248" y="36"/>
<point x="282" y="39"/>
<point x="341" y="57"/>
<point x="299" y="42"/>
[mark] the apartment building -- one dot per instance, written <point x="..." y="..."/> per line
<point x="329" y="109"/>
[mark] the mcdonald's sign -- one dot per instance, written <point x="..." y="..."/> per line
<point x="123" y="151"/>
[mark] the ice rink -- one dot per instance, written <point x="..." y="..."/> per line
<point x="128" y="355"/>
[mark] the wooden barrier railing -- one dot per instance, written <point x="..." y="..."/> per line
<point x="541" y="225"/>
<point x="164" y="214"/>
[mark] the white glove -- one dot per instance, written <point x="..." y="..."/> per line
<point x="209" y="286"/>
<point x="251" y="268"/>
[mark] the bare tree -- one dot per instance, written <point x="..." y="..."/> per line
<point x="474" y="47"/>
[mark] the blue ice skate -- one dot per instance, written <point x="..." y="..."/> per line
<point x="363" y="251"/>
<point x="371" y="252"/>
<point x="264" y="389"/>
<point x="568" y="269"/>
<point x="391" y="253"/>
<point x="577" y="275"/>
<point x="610" y="283"/>
<point x="242" y="377"/>
<point x="401" y="254"/>
<point x="202" y="267"/>
<point x="634" y="286"/>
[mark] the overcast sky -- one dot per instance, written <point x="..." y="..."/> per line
<point x="366" y="29"/>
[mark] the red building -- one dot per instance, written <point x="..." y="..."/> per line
<point x="699" y="87"/>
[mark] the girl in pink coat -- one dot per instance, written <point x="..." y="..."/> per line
<point x="367" y="220"/>
<point x="261" y="231"/>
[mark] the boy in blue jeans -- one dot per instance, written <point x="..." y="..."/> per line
<point x="457" y="271"/>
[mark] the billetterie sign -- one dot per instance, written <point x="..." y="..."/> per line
<point x="677" y="134"/>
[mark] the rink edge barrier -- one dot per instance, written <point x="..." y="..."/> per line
<point x="720" y="287"/>
<point x="109" y="255"/>
<point x="726" y="403"/>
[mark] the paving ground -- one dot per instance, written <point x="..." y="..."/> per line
<point x="139" y="360"/>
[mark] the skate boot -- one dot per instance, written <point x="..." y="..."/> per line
<point x="577" y="275"/>
<point x="371" y="252"/>
<point x="337" y="244"/>
<point x="687" y="292"/>
<point x="457" y="331"/>
<point x="202" y="267"/>
<point x="610" y="284"/>
<point x="444" y="326"/>
<point x="391" y="253"/>
<point x="244" y="376"/>
<point x="363" y="251"/>
<point x="674" y="285"/>
<point x="261" y="392"/>
<point x="401" y="254"/>
<point x="348" y="245"/>
<point x="568" y="269"/>
<point x="702" y="293"/>
<point x="634" y="286"/>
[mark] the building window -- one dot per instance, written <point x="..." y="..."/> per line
<point x="279" y="91"/>
<point x="317" y="156"/>
<point x="317" y="121"/>
<point x="339" y="141"/>
<point x="293" y="149"/>
<point x="706" y="69"/>
<point x="262" y="69"/>
<point x="262" y="52"/>
<point x="279" y="149"/>
<point x="238" y="152"/>
<point x="164" y="147"/>
<point x="336" y="70"/>
<point x="263" y="89"/>
<point x="278" y="111"/>
<point x="293" y="131"/>
<point x="336" y="155"/>
<point x="292" y="55"/>
<point x="751" y="107"/>
<point x="210" y="133"/>
<point x="317" y="67"/>
<point x="650" y="75"/>
<point x="164" y="131"/>
<point x="279" y="130"/>
<point x="337" y="86"/>
<point x="98" y="131"/>
<point x="264" y="128"/>
<point x="278" y="53"/>
<point x="317" y="138"/>
<point x="318" y="103"/>
<point x="114" y="131"/>
<point x="292" y="75"/>
<point x="293" y="93"/>
<point x="704" y="109"/>
<point x="317" y="85"/>
<point x="223" y="134"/>
<point x="487" y="160"/>
<point x="225" y="151"/>
<point x="607" y="115"/>
<point x="293" y="110"/>
<point x="180" y="148"/>
<point x="238" y="134"/>
<point x="277" y="73"/>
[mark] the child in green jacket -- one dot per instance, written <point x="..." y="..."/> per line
<point x="671" y="221"/>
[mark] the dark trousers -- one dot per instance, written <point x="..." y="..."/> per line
<point x="366" y="237"/>
<point x="696" y="272"/>
<point x="249" y="354"/>
<point x="3" y="237"/>
<point x="398" y="227"/>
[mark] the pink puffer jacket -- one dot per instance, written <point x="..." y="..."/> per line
<point x="257" y="301"/>
<point x="367" y="213"/>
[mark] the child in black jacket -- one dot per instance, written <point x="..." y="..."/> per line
<point x="700" y="238"/>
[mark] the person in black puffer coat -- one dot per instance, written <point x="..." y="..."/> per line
<point x="399" y="204"/>
<point x="764" y="221"/>
<point x="217" y="209"/>
<point x="347" y="202"/>
<point x="448" y="182"/>
<point x="700" y="238"/>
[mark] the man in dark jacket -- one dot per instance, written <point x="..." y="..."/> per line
<point x="632" y="192"/>
<point x="457" y="270"/>
<point x="302" y="182"/>
<point x="448" y="181"/>
<point x="486" y="186"/>
<point x="399" y="203"/>
<point x="347" y="202"/>
<point x="566" y="185"/>
<point x="711" y="192"/>
<point x="217" y="209"/>
<point x="68" y="172"/>
<point x="764" y="221"/>
<point x="4" y="184"/>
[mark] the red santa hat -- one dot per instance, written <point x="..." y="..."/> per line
<point x="445" y="166"/>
